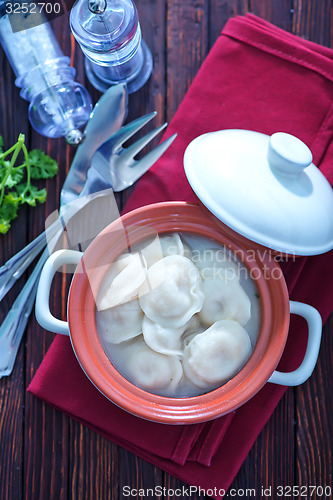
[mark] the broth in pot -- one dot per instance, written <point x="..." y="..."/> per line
<point x="179" y="315"/>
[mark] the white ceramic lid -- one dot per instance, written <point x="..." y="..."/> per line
<point x="265" y="188"/>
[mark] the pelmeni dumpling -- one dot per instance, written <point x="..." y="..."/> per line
<point x="167" y="340"/>
<point x="172" y="292"/>
<point x="120" y="323"/>
<point x="122" y="282"/>
<point x="151" y="370"/>
<point x="162" y="339"/>
<point x="216" y="355"/>
<point x="216" y="263"/>
<point x="172" y="244"/>
<point x="193" y="327"/>
<point x="224" y="300"/>
<point x="162" y="246"/>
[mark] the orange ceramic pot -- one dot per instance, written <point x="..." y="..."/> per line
<point x="133" y="228"/>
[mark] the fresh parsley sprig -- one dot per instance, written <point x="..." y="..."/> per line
<point x="15" y="179"/>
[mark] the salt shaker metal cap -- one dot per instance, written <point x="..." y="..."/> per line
<point x="109" y="34"/>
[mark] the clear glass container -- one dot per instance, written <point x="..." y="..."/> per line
<point x="109" y="34"/>
<point x="58" y="105"/>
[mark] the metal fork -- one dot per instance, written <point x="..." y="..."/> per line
<point x="118" y="164"/>
<point x="101" y="176"/>
<point x="113" y="165"/>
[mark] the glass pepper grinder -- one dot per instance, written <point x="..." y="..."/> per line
<point x="109" y="34"/>
<point x="58" y="105"/>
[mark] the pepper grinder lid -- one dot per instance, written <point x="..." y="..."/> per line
<point x="97" y="6"/>
<point x="102" y="27"/>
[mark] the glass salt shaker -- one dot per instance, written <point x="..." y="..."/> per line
<point x="58" y="105"/>
<point x="109" y="34"/>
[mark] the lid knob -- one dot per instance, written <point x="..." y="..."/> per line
<point x="288" y="154"/>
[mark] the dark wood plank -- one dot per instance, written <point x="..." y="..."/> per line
<point x="136" y="474"/>
<point x="313" y="21"/>
<point x="46" y="455"/>
<point x="187" y="46"/>
<point x="219" y="13"/>
<point x="280" y="13"/>
<point x="266" y="466"/>
<point x="151" y="97"/>
<point x="314" y="421"/>
<point x="11" y="437"/>
<point x="13" y="120"/>
<point x="172" y="485"/>
<point x="93" y="471"/>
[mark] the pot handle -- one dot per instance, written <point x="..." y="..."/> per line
<point x="42" y="308"/>
<point x="303" y="372"/>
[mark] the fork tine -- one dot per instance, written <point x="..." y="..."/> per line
<point x="135" y="148"/>
<point x="127" y="131"/>
<point x="140" y="167"/>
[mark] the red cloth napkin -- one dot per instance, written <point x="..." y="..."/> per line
<point x="256" y="77"/>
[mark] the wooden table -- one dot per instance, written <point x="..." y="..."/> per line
<point x="44" y="454"/>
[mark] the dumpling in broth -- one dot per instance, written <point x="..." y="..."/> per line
<point x="162" y="246"/>
<point x="162" y="339"/>
<point x="167" y="340"/>
<point x="120" y="323"/>
<point x="172" y="293"/>
<point x="151" y="370"/>
<point x="122" y="282"/>
<point x="216" y="355"/>
<point x="216" y="263"/>
<point x="224" y="300"/>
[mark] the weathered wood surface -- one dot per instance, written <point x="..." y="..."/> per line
<point x="44" y="454"/>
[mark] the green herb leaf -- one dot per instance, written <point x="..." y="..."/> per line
<point x="11" y="203"/>
<point x="4" y="165"/>
<point x="9" y="208"/>
<point x="15" y="179"/>
<point x="8" y="211"/>
<point x="4" y="225"/>
<point x="41" y="165"/>
<point x="31" y="194"/>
